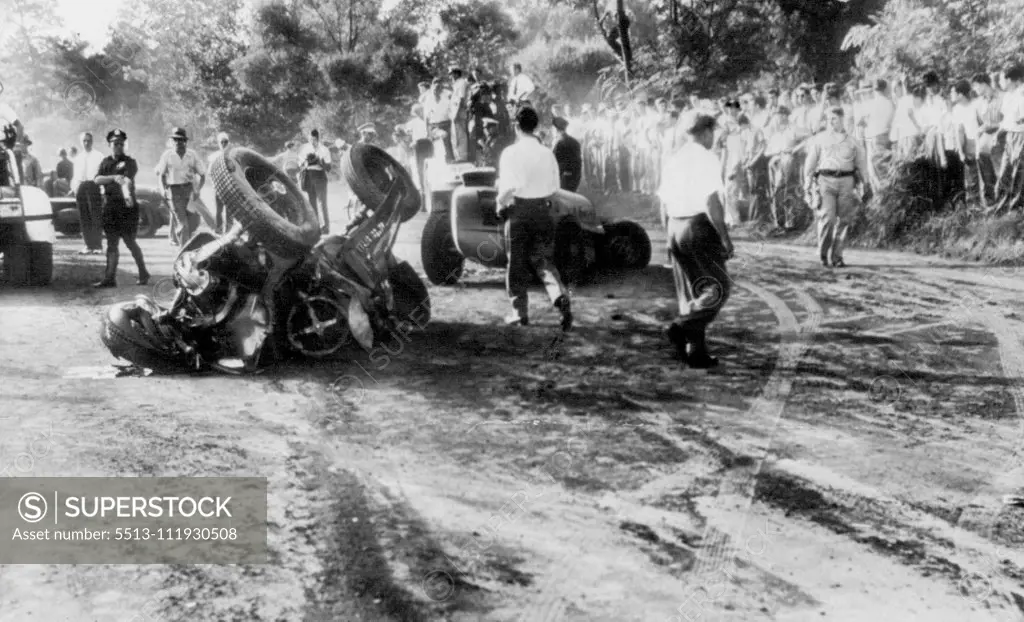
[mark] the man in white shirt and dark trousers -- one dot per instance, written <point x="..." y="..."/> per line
<point x="177" y="171"/>
<point x="315" y="159"/>
<point x="1010" y="184"/>
<point x="529" y="177"/>
<point x="88" y="197"/>
<point x="698" y="241"/>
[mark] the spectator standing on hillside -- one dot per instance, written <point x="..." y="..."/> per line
<point x="178" y="171"/>
<point x="1010" y="190"/>
<point x="87" y="196"/>
<point x="989" y="104"/>
<point x="520" y="87"/>
<point x="966" y="124"/>
<point x="877" y="123"/>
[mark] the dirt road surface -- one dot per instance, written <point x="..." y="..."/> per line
<point x="847" y="461"/>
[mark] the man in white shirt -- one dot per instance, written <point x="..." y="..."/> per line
<point x="459" y="114"/>
<point x="989" y="106"/>
<point x="529" y="177"/>
<point x="314" y="163"/>
<point x="520" y="87"/>
<point x="877" y="123"/>
<point x="698" y="242"/>
<point x="88" y="197"/>
<point x="1010" y="191"/>
<point x="965" y="125"/>
<point x="222" y="220"/>
<point x="178" y="171"/>
<point x="437" y="111"/>
<point x="783" y="168"/>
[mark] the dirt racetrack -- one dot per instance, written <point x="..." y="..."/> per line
<point x="846" y="461"/>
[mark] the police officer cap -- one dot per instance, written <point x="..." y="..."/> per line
<point x="560" y="123"/>
<point x="368" y="127"/>
<point x="116" y="134"/>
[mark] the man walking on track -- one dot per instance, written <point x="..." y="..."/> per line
<point x="529" y="176"/>
<point x="88" y="197"/>
<point x="834" y="162"/>
<point x="177" y="171"/>
<point x="315" y="161"/>
<point x="120" y="209"/>
<point x="698" y="240"/>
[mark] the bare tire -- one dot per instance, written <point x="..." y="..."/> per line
<point x="40" y="264"/>
<point x="128" y="333"/>
<point x="442" y="262"/>
<point x="67" y="222"/>
<point x="266" y="202"/>
<point x="18" y="265"/>
<point x="370" y="171"/>
<point x="412" y="301"/>
<point x="626" y="245"/>
<point x="571" y="252"/>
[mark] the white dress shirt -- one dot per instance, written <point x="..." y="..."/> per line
<point x="520" y="87"/>
<point x="179" y="169"/>
<point x="437" y="109"/>
<point x="87" y="166"/>
<point x="1013" y="111"/>
<point x="528" y="171"/>
<point x="417" y="128"/>
<point x="321" y="152"/>
<point x="690" y="176"/>
<point x="966" y="116"/>
<point x="878" y="115"/>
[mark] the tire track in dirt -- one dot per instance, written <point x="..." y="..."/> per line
<point x="771" y="404"/>
<point x="551" y="605"/>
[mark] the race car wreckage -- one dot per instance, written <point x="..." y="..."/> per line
<point x="272" y="287"/>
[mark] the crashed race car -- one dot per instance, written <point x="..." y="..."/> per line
<point x="271" y="288"/>
<point x="463" y="224"/>
<point x="154" y="212"/>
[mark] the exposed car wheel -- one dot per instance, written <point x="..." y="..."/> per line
<point x="266" y="201"/>
<point x="571" y="246"/>
<point x="17" y="265"/>
<point x="625" y="245"/>
<point x="67" y="222"/>
<point x="149" y="219"/>
<point x="412" y="302"/>
<point x="129" y="333"/>
<point x="40" y="263"/>
<point x="442" y="262"/>
<point x="370" y="171"/>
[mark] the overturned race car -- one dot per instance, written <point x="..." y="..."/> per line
<point x="463" y="224"/>
<point x="272" y="287"/>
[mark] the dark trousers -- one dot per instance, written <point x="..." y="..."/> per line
<point x="698" y="268"/>
<point x="1010" y="181"/>
<point x="530" y="239"/>
<point x="315" y="184"/>
<point x="90" y="214"/>
<point x="115" y="233"/>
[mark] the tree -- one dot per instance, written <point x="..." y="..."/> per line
<point x="27" y="34"/>
<point x="479" y="33"/>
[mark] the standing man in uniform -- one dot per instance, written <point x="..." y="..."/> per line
<point x="87" y="196"/>
<point x="314" y="163"/>
<point x="698" y="240"/>
<point x="177" y="171"/>
<point x="569" y="156"/>
<point x="835" y="161"/>
<point x="529" y="176"/>
<point x="222" y="220"/>
<point x="116" y="176"/>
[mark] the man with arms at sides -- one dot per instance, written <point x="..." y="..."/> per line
<point x="990" y="116"/>
<point x="698" y="241"/>
<point x="88" y="197"/>
<point x="569" y="156"/>
<point x="177" y="171"/>
<point x="314" y="163"/>
<point x="529" y="177"/>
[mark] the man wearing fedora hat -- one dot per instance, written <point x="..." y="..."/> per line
<point x="116" y="176"/>
<point x="178" y="171"/>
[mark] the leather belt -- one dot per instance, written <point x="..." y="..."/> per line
<point x="834" y="173"/>
<point x="542" y="202"/>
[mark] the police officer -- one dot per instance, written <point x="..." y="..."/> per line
<point x="529" y="176"/>
<point x="116" y="177"/>
<point x="698" y="240"/>
<point x="834" y="163"/>
<point x="569" y="156"/>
